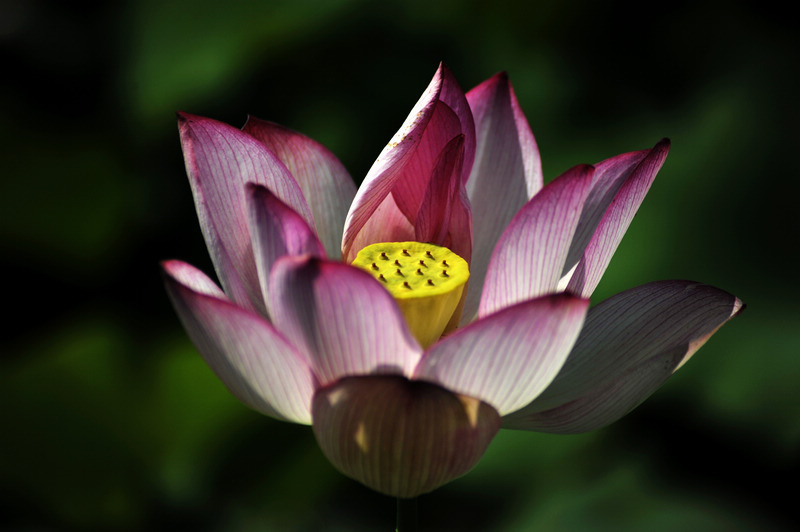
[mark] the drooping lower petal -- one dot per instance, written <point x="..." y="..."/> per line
<point x="341" y="318"/>
<point x="631" y="343"/>
<point x="529" y="257"/>
<point x="508" y="358"/>
<point x="276" y="231"/>
<point x="255" y="363"/>
<point x="399" y="437"/>
<point x="507" y="172"/>
<point x="220" y="161"/>
<point x="326" y="184"/>
<point x="619" y="187"/>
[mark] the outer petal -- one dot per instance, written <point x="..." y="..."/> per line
<point x="325" y="183"/>
<point x="630" y="345"/>
<point x="619" y="187"/>
<point x="277" y="230"/>
<point x="404" y="167"/>
<point x="506" y="173"/>
<point x="220" y="160"/>
<point x="508" y="358"/>
<point x="256" y="363"/>
<point x="529" y="257"/>
<point x="341" y="318"/>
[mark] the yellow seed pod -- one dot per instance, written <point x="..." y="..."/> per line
<point x="426" y="280"/>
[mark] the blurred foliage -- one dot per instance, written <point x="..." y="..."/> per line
<point x="111" y="421"/>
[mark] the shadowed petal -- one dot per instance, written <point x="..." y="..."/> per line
<point x="631" y="343"/>
<point x="220" y="160"/>
<point x="342" y="319"/>
<point x="506" y="173"/>
<point x="529" y="257"/>
<point x="405" y="165"/>
<point x="508" y="358"/>
<point x="326" y="185"/>
<point x="618" y="189"/>
<point x="277" y="231"/>
<point x="256" y="363"/>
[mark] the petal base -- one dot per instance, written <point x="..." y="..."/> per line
<point x="401" y="437"/>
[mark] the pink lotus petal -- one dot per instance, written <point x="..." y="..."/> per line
<point x="256" y="363"/>
<point x="404" y="167"/>
<point x="507" y="172"/>
<point x="630" y="345"/>
<point x="508" y="358"/>
<point x="220" y="160"/>
<point x="529" y="257"/>
<point x="326" y="185"/>
<point x="619" y="187"/>
<point x="277" y="231"/>
<point x="341" y="318"/>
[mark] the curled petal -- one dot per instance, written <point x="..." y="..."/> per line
<point x="341" y="318"/>
<point x="618" y="189"/>
<point x="508" y="358"/>
<point x="326" y="185"/>
<point x="400" y="437"/>
<point x="404" y="167"/>
<point x="220" y="161"/>
<point x="631" y="343"/>
<point x="529" y="257"/>
<point x="277" y="230"/>
<point x="256" y="363"/>
<point x="506" y="173"/>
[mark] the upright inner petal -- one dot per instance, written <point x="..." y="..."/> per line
<point x="426" y="280"/>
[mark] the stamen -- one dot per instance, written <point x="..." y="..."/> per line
<point x="405" y="252"/>
<point x="419" y="272"/>
<point x="397" y="263"/>
<point x="382" y="278"/>
<point x="405" y="284"/>
<point x="444" y="263"/>
<point x="374" y="267"/>
<point x="430" y="282"/>
<point x="444" y="273"/>
<point x="428" y="253"/>
<point x="383" y="255"/>
<point x="421" y="262"/>
<point x="400" y="273"/>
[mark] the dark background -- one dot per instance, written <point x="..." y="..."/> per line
<point x="109" y="419"/>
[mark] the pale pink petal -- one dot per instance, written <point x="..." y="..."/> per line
<point x="257" y="364"/>
<point x="405" y="165"/>
<point x="618" y="189"/>
<point x="325" y="183"/>
<point x="508" y="358"/>
<point x="340" y="316"/>
<point x="220" y="160"/>
<point x="507" y="172"/>
<point x="529" y="257"/>
<point x="277" y="231"/>
<point x="631" y="343"/>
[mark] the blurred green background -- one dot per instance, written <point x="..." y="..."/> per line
<point x="110" y="420"/>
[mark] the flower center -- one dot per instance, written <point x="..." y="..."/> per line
<point x="426" y="280"/>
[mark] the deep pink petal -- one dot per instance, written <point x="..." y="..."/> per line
<point x="404" y="167"/>
<point x="507" y="172"/>
<point x="277" y="230"/>
<point x="257" y="364"/>
<point x="619" y="187"/>
<point x="529" y="257"/>
<point x="220" y="160"/>
<point x="342" y="319"/>
<point x="631" y="343"/>
<point x="510" y="357"/>
<point x="326" y="184"/>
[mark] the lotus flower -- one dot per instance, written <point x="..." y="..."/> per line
<point x="447" y="297"/>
